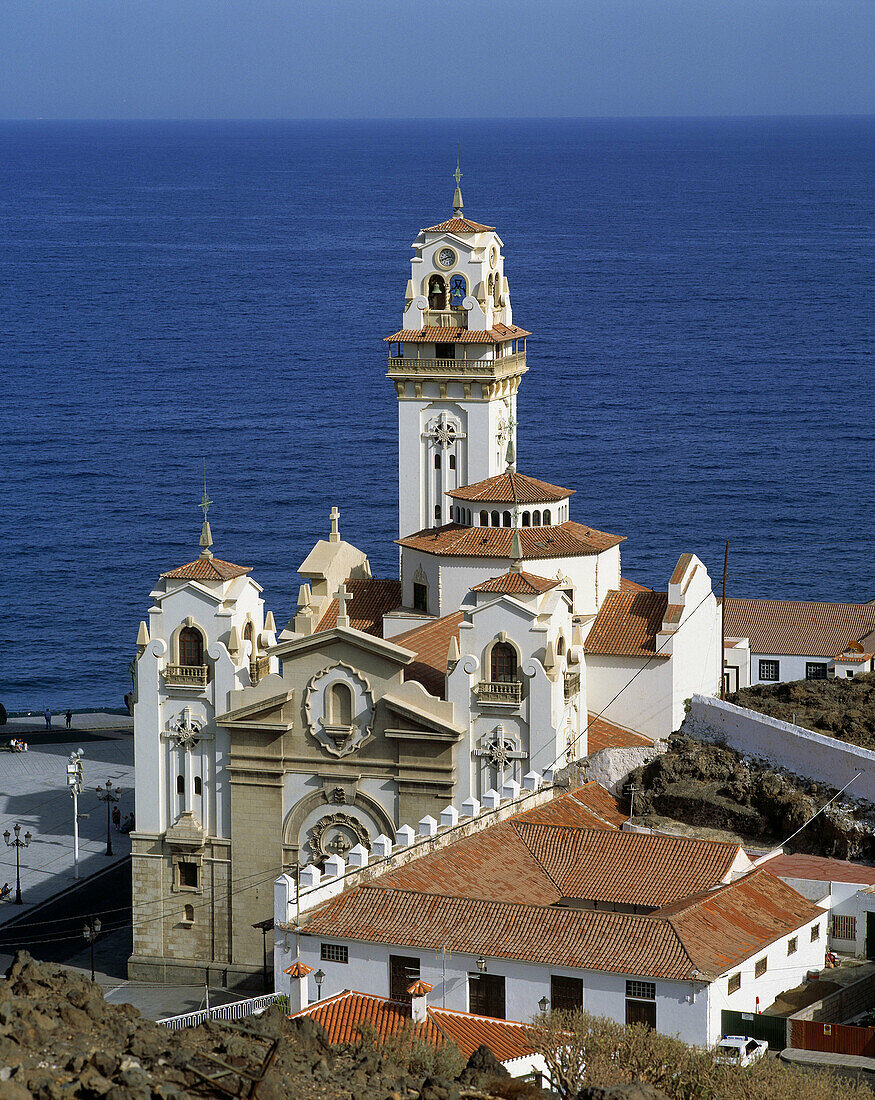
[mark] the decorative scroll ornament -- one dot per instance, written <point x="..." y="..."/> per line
<point x="335" y="834"/>
<point x="339" y="740"/>
<point x="184" y="729"/>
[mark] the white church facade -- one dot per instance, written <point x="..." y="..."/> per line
<point x="384" y="700"/>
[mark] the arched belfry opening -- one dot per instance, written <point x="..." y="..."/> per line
<point x="437" y="292"/>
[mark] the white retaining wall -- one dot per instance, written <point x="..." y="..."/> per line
<point x="611" y="767"/>
<point x="807" y="754"/>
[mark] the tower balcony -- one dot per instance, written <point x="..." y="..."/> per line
<point x="495" y="367"/>
<point x="572" y="685"/>
<point x="499" y="693"/>
<point x="186" y="676"/>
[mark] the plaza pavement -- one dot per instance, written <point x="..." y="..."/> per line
<point x="34" y="794"/>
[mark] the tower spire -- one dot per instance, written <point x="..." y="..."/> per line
<point x="457" y="196"/>
<point x="206" y="534"/>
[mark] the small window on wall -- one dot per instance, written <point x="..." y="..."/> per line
<point x="769" y="671"/>
<point x="815" y="932"/>
<point x="180" y="784"/>
<point x="437" y="460"/>
<point x="452" y="462"/>
<point x="844" y="928"/>
<point x="761" y="967"/>
<point x="486" y="995"/>
<point x="445" y="351"/>
<point x="403" y="972"/>
<point x="198" y="785"/>
<point x="734" y="983"/>
<point x="792" y="945"/>
<point x="420" y="597"/>
<point x="191" y="647"/>
<point x="437" y="515"/>
<point x="188" y="914"/>
<point x="188" y="875"/>
<point x="815" y="670"/>
<point x="566" y="992"/>
<point x="334" y="953"/>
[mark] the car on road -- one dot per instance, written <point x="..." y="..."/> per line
<point x="740" y="1050"/>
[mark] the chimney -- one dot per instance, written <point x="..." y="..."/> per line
<point x="299" y="998"/>
<point x="419" y="992"/>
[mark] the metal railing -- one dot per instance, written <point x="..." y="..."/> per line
<point x="185" y="675"/>
<point x="495" y="691"/>
<point x="236" y="1010"/>
<point x="460" y="368"/>
<point x="572" y="685"/>
<point x="259" y="667"/>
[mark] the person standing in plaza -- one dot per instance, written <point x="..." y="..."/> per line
<point x="68" y="717"/>
<point x="47" y="714"/>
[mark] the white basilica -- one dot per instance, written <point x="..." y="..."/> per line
<point x="384" y="700"/>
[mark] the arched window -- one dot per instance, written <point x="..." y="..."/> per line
<point x="437" y="460"/>
<point x="546" y="517"/>
<point x="180" y="784"/>
<point x="188" y="913"/>
<point x="437" y="293"/>
<point x="503" y="663"/>
<point x="527" y="520"/>
<point x="496" y="291"/>
<point x="536" y="518"/>
<point x="198" y="785"/>
<point x="495" y="519"/>
<point x="191" y="646"/>
<point x="458" y="290"/>
<point x="484" y="518"/>
<point x="505" y="519"/>
<point x="437" y="515"/>
<point x="560" y="647"/>
<point x="340" y="705"/>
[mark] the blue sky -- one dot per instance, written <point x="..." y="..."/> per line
<point x="443" y="58"/>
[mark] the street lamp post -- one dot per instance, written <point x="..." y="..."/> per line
<point x="109" y="796"/>
<point x="75" y="781"/>
<point x="17" y="844"/>
<point x="319" y="978"/>
<point x="89" y="933"/>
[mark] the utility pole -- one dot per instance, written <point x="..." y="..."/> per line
<point x="17" y="844"/>
<point x="89" y="933"/>
<point x="109" y="796"/>
<point x="75" y="781"/>
<point x="723" y="627"/>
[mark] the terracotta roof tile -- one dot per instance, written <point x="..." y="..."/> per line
<point x="430" y="643"/>
<point x="371" y="599"/>
<point x="588" y="807"/>
<point x="627" y="585"/>
<point x="627" y="624"/>
<point x="565" y="540"/>
<point x="602" y="734"/>
<point x="433" y="334"/>
<point x="523" y="583"/>
<point x="512" y="487"/>
<point x="724" y="927"/>
<point x="459" y="225"/>
<point x="343" y="1015"/>
<point x="207" y="569"/>
<point x="798" y="865"/>
<point x="798" y="628"/>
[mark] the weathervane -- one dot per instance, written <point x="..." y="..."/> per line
<point x="457" y="175"/>
<point x="206" y="534"/>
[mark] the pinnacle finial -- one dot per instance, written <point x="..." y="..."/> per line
<point x="510" y="457"/>
<point x="457" y="196"/>
<point x="206" y="540"/>
<point x="516" y="552"/>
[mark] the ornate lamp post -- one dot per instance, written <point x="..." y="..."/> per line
<point x="17" y="844"/>
<point x="109" y="796"/>
<point x="319" y="978"/>
<point x="89" y="933"/>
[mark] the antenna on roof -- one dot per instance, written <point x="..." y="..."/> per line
<point x="457" y="195"/>
<point x="206" y="534"/>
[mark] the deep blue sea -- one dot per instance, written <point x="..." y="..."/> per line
<point x="700" y="294"/>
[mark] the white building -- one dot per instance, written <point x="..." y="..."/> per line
<point x="550" y="898"/>
<point x="772" y="641"/>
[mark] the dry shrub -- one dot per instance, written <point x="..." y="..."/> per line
<point x="583" y="1050"/>
<point x="412" y="1054"/>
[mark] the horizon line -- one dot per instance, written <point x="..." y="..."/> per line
<point x="441" y="118"/>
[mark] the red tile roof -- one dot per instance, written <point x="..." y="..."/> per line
<point x="588" y="807"/>
<point x="627" y="624"/>
<point x="523" y="583"/>
<point x="343" y="1015"/>
<point x="602" y="734"/>
<point x="798" y="628"/>
<point x="792" y="865"/>
<point x="724" y="927"/>
<point x="430" y="643"/>
<point x="512" y="487"/>
<point x="208" y="569"/>
<point x="459" y="225"/>
<point x="566" y="540"/>
<point x="371" y="600"/>
<point x="432" y="334"/>
<point x="627" y="585"/>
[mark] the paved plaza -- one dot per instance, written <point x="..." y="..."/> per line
<point x="34" y="794"/>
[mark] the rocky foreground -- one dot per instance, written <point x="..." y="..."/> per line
<point x="60" y="1039"/>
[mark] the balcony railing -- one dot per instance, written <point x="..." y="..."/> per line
<point x="258" y="668"/>
<point x="494" y="691"/>
<point x="499" y="366"/>
<point x="185" y="675"/>
<point x="572" y="685"/>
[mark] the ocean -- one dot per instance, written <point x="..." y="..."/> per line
<point x="700" y="293"/>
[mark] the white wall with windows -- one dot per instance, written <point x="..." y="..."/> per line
<point x="771" y="668"/>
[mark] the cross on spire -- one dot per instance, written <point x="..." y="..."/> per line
<point x="334" y="516"/>
<point x="206" y="540"/>
<point x="457" y="196"/>
<point x="342" y="595"/>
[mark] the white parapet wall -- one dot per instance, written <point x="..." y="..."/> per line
<point x="781" y="744"/>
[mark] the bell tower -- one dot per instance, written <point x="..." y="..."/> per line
<point x="456" y="364"/>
